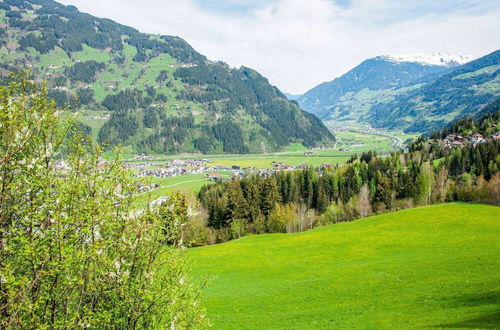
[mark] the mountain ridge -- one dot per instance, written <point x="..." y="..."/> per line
<point x="375" y="74"/>
<point x="441" y="59"/>
<point x="151" y="93"/>
<point x="393" y="94"/>
<point x="465" y="90"/>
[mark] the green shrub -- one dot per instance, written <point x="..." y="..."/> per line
<point x="72" y="251"/>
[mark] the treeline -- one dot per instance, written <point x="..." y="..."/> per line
<point x="118" y="129"/>
<point x="72" y="32"/>
<point x="85" y="95"/>
<point x="368" y="184"/>
<point x="174" y="46"/>
<point x="62" y="98"/>
<point x="230" y="135"/>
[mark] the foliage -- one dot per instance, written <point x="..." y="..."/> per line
<point x="125" y="100"/>
<point x="85" y="96"/>
<point x="61" y="97"/>
<point x="118" y="129"/>
<point x="72" y="252"/>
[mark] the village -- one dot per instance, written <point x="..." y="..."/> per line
<point x="455" y="140"/>
<point x="147" y="167"/>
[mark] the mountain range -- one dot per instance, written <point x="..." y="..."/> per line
<point x="157" y="94"/>
<point x="150" y="93"/>
<point x="413" y="93"/>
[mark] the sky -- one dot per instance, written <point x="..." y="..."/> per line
<point x="298" y="44"/>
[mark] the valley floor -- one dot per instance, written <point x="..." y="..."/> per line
<point x="435" y="266"/>
<point x="353" y="140"/>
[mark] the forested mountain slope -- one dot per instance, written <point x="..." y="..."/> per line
<point x="464" y="91"/>
<point x="378" y="79"/>
<point x="415" y="97"/>
<point x="153" y="93"/>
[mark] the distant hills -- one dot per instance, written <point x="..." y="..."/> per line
<point x="414" y="93"/>
<point x="150" y="93"/>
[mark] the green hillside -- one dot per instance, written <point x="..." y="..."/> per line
<point x="464" y="91"/>
<point x="413" y="97"/>
<point x="434" y="266"/>
<point x="351" y="96"/>
<point x="152" y="93"/>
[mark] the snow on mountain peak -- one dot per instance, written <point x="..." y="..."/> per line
<point x="442" y="59"/>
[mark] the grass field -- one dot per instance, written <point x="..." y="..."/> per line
<point x="435" y="266"/>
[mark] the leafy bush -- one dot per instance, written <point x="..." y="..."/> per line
<point x="73" y="252"/>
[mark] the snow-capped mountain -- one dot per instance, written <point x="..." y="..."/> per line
<point x="418" y="93"/>
<point x="442" y="59"/>
<point x="329" y="100"/>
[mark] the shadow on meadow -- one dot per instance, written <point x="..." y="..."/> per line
<point x="485" y="321"/>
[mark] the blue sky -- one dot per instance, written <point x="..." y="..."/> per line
<point x="298" y="44"/>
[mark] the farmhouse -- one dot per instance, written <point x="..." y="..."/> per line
<point x="454" y="140"/>
<point x="214" y="176"/>
<point x="477" y="139"/>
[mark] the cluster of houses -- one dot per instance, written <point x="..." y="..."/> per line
<point x="167" y="172"/>
<point x="214" y="177"/>
<point x="287" y="167"/>
<point x="143" y="157"/>
<point x="138" y="165"/>
<point x="190" y="162"/>
<point x="177" y="167"/>
<point x="455" y="140"/>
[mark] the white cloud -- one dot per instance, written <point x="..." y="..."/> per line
<point x="298" y="44"/>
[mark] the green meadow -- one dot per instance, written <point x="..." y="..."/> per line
<point x="430" y="267"/>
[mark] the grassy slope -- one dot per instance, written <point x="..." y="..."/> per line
<point x="426" y="267"/>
